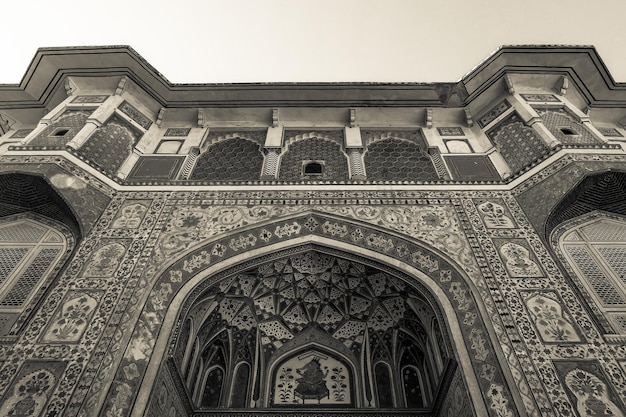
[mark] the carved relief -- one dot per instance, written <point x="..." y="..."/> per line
<point x="312" y="378"/>
<point x="130" y="216"/>
<point x="591" y="395"/>
<point x="105" y="261"/>
<point x="494" y="216"/>
<point x="518" y="262"/>
<point x="72" y="319"/>
<point x="30" y="394"/>
<point x="588" y="388"/>
<point x="552" y="321"/>
<point x="32" y="389"/>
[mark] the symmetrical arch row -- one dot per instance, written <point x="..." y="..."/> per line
<point x="315" y="156"/>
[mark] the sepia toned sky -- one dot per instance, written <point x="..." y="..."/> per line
<point x="198" y="41"/>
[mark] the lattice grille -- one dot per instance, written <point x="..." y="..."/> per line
<point x="554" y="119"/>
<point x="605" y="231"/>
<point x="9" y="258"/>
<point x="29" y="279"/>
<point x="21" y="232"/>
<point x="615" y="256"/>
<point x="597" y="279"/>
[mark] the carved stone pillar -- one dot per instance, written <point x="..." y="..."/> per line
<point x="270" y="165"/>
<point x="357" y="167"/>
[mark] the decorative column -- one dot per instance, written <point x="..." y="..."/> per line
<point x="272" y="148"/>
<point x="499" y="163"/>
<point x="270" y="165"/>
<point x="354" y="149"/>
<point x="533" y="120"/>
<point x="190" y="162"/>
<point x="357" y="167"/>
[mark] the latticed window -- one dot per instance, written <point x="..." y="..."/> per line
<point x="596" y="250"/>
<point x="29" y="251"/>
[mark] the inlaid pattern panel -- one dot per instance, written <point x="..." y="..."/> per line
<point x="556" y="119"/>
<point x="73" y="121"/>
<point x="234" y="159"/>
<point x="110" y="145"/>
<point x="400" y="160"/>
<point x="335" y="162"/>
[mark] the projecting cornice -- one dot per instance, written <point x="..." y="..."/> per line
<point x="44" y="81"/>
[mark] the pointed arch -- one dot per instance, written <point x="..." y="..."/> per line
<point x="397" y="155"/>
<point x="38" y="234"/>
<point x="419" y="278"/>
<point x="236" y="158"/>
<point x="594" y="212"/>
<point x="313" y="148"/>
<point x="592" y="248"/>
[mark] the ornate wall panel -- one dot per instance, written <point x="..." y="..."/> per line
<point x="71" y="120"/>
<point x="556" y="119"/>
<point x="518" y="144"/>
<point x="235" y="159"/>
<point x="322" y="147"/>
<point x="397" y="155"/>
<point x="110" y="145"/>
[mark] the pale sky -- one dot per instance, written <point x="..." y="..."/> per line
<point x="209" y="41"/>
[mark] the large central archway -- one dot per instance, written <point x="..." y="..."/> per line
<point x="308" y="327"/>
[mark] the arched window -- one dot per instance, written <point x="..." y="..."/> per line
<point x="31" y="250"/>
<point x="594" y="246"/>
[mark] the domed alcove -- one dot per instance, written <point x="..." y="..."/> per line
<point x="38" y="233"/>
<point x="309" y="329"/>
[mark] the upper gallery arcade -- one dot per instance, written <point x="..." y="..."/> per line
<point x="108" y="108"/>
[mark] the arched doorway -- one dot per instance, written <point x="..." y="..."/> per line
<point x="309" y="327"/>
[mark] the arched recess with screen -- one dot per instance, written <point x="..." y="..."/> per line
<point x="38" y="232"/>
<point x="305" y="328"/>
<point x="588" y="234"/>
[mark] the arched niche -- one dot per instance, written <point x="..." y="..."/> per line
<point x="307" y="314"/>
<point x="38" y="234"/>
<point x="587" y="221"/>
<point x="313" y="374"/>
<point x="416" y="283"/>
<point x="23" y="193"/>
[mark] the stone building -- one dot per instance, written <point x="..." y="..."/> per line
<point x="448" y="249"/>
